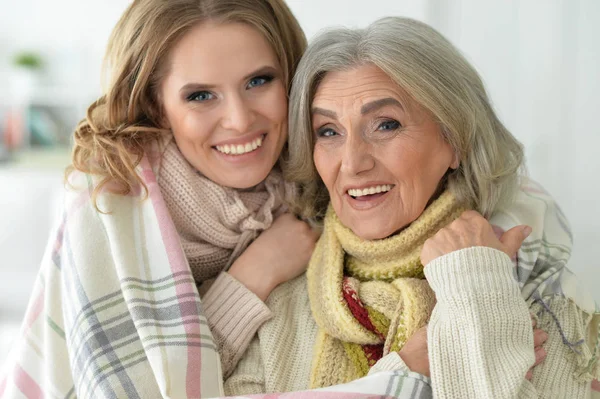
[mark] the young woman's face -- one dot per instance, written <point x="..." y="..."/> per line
<point x="225" y="100"/>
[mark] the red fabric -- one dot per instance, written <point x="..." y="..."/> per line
<point x="372" y="352"/>
<point x="356" y="307"/>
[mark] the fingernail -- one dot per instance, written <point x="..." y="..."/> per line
<point x="526" y="231"/>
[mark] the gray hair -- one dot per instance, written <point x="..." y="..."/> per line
<point x="435" y="75"/>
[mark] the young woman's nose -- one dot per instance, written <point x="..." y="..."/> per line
<point x="238" y="115"/>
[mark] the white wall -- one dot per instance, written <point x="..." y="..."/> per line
<point x="541" y="63"/>
<point x="539" y="58"/>
<point x="70" y="34"/>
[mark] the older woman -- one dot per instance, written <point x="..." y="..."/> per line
<point x="411" y="168"/>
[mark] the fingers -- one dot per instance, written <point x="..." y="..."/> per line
<point x="539" y="337"/>
<point x="540" y="355"/>
<point x="513" y="239"/>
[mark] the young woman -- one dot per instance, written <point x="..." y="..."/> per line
<point x="175" y="182"/>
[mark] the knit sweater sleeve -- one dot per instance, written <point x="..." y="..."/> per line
<point x="480" y="338"/>
<point x="234" y="314"/>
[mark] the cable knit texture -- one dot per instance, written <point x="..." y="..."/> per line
<point x="216" y="224"/>
<point x="369" y="297"/>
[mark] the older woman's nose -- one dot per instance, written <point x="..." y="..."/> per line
<point x="356" y="156"/>
<point x="238" y="115"/>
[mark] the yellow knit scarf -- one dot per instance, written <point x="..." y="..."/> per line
<point x="369" y="297"/>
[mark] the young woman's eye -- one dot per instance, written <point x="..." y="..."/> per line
<point x="201" y="96"/>
<point x="326" y="132"/>
<point x="259" y="81"/>
<point x="389" y="125"/>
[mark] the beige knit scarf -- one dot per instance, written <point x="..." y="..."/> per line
<point x="369" y="297"/>
<point x="215" y="223"/>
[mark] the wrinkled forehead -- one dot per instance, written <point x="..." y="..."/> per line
<point x="356" y="87"/>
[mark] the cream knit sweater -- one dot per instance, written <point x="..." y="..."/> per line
<point x="480" y="335"/>
<point x="480" y="332"/>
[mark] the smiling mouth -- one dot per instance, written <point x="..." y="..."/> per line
<point x="241" y="149"/>
<point x="369" y="192"/>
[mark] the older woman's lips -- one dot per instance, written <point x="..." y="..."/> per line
<point x="367" y="201"/>
<point x="369" y="197"/>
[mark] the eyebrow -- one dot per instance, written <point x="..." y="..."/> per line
<point x="265" y="69"/>
<point x="325" y="112"/>
<point x="377" y="104"/>
<point x="365" y="109"/>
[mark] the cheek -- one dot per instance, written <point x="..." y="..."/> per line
<point x="320" y="159"/>
<point x="194" y="127"/>
<point x="275" y="105"/>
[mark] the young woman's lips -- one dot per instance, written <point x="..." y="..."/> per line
<point x="246" y="156"/>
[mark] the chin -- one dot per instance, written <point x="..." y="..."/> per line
<point x="373" y="232"/>
<point x="248" y="180"/>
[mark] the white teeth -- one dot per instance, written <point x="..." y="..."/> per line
<point x="240" y="149"/>
<point x="357" y="192"/>
<point x="225" y="149"/>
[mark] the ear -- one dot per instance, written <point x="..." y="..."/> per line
<point x="455" y="161"/>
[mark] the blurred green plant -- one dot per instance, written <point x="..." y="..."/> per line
<point x="28" y="60"/>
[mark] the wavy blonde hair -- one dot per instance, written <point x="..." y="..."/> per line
<point x="111" y="141"/>
<point x="434" y="74"/>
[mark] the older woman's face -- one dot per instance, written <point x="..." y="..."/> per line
<point x="380" y="156"/>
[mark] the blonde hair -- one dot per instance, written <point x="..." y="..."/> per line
<point x="112" y="139"/>
<point x="434" y="74"/>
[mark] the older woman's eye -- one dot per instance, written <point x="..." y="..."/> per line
<point x="259" y="81"/>
<point x="389" y="125"/>
<point x="201" y="96"/>
<point x="326" y="132"/>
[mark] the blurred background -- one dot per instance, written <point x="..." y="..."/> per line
<point x="540" y="60"/>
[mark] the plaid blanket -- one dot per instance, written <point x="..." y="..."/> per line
<point x="115" y="312"/>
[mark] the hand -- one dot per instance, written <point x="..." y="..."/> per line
<point x="414" y="352"/>
<point x="279" y="254"/>
<point x="539" y="337"/>
<point x="472" y="230"/>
